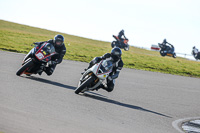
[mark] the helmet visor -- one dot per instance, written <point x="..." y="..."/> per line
<point x="58" y="43"/>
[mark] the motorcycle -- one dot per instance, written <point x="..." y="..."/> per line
<point x="167" y="51"/>
<point x="37" y="59"/>
<point x="123" y="44"/>
<point x="196" y="55"/>
<point x="94" y="76"/>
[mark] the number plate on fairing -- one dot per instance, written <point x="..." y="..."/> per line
<point x="39" y="56"/>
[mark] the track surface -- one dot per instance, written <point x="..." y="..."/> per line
<point x="142" y="101"/>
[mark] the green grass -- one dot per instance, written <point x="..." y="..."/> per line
<point x="18" y="38"/>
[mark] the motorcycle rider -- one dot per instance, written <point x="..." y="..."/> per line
<point x="166" y="47"/>
<point x="115" y="56"/>
<point x="195" y="52"/>
<point x="58" y="43"/>
<point x="121" y="33"/>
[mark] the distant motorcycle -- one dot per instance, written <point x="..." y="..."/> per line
<point x="196" y="55"/>
<point x="36" y="59"/>
<point x="94" y="76"/>
<point x="123" y="44"/>
<point x="167" y="51"/>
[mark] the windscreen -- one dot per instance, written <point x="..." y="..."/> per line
<point x="106" y="66"/>
<point x="48" y="48"/>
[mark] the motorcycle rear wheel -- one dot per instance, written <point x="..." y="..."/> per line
<point x="113" y="44"/>
<point x="162" y="53"/>
<point x="24" y="67"/>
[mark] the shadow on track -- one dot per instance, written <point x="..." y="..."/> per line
<point x="95" y="96"/>
<point x="57" y="84"/>
<point x="50" y="82"/>
<point x="123" y="104"/>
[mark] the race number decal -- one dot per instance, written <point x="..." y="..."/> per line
<point x="39" y="56"/>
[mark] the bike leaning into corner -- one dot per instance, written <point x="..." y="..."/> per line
<point x="105" y="68"/>
<point x="167" y="50"/>
<point x="38" y="59"/>
<point x="196" y="53"/>
<point x="94" y="76"/>
<point x="120" y="42"/>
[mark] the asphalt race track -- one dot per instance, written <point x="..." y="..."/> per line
<point x="142" y="101"/>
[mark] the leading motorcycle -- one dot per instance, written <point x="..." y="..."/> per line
<point x="37" y="59"/>
<point x="94" y="76"/>
<point x="196" y="55"/>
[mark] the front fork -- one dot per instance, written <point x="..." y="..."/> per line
<point x="28" y="55"/>
<point x="96" y="82"/>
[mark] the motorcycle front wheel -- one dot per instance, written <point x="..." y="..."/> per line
<point x="84" y="85"/>
<point x="24" y="67"/>
<point x="126" y="48"/>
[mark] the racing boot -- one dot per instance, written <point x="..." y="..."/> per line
<point x="101" y="86"/>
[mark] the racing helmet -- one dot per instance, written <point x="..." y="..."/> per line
<point x="58" y="40"/>
<point x="116" y="53"/>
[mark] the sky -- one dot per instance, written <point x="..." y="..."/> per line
<point x="145" y="22"/>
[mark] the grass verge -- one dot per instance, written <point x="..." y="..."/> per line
<point x="18" y="38"/>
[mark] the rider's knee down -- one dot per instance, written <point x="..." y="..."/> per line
<point x="110" y="88"/>
<point x="49" y="73"/>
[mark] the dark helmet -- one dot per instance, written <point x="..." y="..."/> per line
<point x="116" y="53"/>
<point x="164" y="41"/>
<point x="58" y="40"/>
<point x="194" y="47"/>
<point x="122" y="31"/>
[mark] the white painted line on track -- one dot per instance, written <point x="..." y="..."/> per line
<point x="177" y="124"/>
